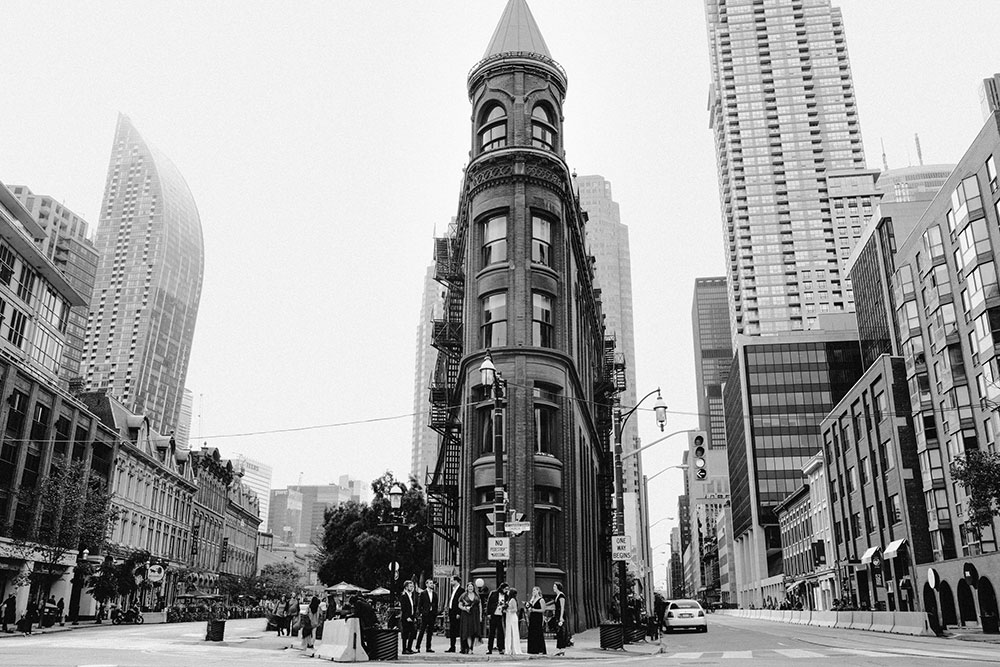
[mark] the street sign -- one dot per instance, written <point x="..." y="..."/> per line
<point x="517" y="527"/>
<point x="444" y="571"/>
<point x="154" y="573"/>
<point x="621" y="547"/>
<point x="498" y="548"/>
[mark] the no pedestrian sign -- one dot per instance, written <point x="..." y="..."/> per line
<point x="621" y="547"/>
<point x="498" y="548"/>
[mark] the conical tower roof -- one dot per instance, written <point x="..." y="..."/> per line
<point x="517" y="32"/>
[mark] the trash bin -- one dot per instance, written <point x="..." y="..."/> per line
<point x="612" y="636"/>
<point x="386" y="644"/>
<point x="216" y="631"/>
<point x="991" y="623"/>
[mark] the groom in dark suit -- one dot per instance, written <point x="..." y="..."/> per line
<point x="454" y="614"/>
<point x="496" y="613"/>
<point x="408" y="616"/>
<point x="427" y="604"/>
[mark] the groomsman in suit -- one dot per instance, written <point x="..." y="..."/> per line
<point x="427" y="604"/>
<point x="454" y="613"/>
<point x="408" y="617"/>
<point x="495" y="611"/>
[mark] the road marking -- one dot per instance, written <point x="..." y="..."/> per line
<point x="798" y="653"/>
<point x="686" y="656"/>
<point x="737" y="655"/>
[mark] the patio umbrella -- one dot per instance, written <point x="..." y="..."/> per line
<point x="344" y="587"/>
<point x="379" y="592"/>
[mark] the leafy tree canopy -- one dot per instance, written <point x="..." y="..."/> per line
<point x="278" y="579"/>
<point x="361" y="540"/>
<point x="979" y="473"/>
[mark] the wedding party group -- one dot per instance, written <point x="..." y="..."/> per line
<point x="474" y="612"/>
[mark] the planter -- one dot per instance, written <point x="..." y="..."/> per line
<point x="386" y="644"/>
<point x="636" y="633"/>
<point x="612" y="636"/>
<point x="216" y="631"/>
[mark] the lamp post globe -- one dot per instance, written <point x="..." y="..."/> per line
<point x="661" y="410"/>
<point x="396" y="497"/>
<point x="487" y="371"/>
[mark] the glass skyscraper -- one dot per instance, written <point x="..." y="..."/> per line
<point x="145" y="300"/>
<point x="783" y="112"/>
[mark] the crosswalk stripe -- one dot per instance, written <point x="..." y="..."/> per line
<point x="798" y="653"/>
<point x="867" y="654"/>
<point x="737" y="655"/>
<point x="686" y="656"/>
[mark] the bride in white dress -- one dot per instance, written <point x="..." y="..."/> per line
<point x="512" y="632"/>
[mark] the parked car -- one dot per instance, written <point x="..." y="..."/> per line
<point x="685" y="614"/>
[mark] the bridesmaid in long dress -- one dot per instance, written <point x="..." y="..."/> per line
<point x="469" y="607"/>
<point x="512" y="633"/>
<point x="536" y="613"/>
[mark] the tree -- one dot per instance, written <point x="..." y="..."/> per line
<point x="73" y="511"/>
<point x="233" y="586"/>
<point x="104" y="583"/>
<point x="277" y="580"/>
<point x="361" y="540"/>
<point x="979" y="473"/>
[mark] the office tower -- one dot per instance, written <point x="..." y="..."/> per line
<point x="65" y="243"/>
<point x="948" y="315"/>
<point x="779" y="390"/>
<point x="312" y="501"/>
<point x="783" y="113"/>
<point x="713" y="353"/>
<point x="256" y="477"/>
<point x="182" y="434"/>
<point x="608" y="241"/>
<point x="148" y="286"/>
<point x="284" y="515"/>
<point x="517" y="259"/>
<point x="675" y="587"/>
<point x="425" y="440"/>
<point x="907" y="184"/>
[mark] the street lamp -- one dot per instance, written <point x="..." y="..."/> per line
<point x="619" y="421"/>
<point x="492" y="378"/>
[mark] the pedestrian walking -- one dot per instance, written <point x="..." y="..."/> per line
<point x="536" y="614"/>
<point x="512" y="630"/>
<point x="60" y="608"/>
<point x="454" y="612"/>
<point x="560" y="620"/>
<point x="9" y="616"/>
<point x="471" y="621"/>
<point x="408" y="617"/>
<point x="308" y="623"/>
<point x="324" y="614"/>
<point x="495" y="604"/>
<point x="427" y="606"/>
<point x="278" y="612"/>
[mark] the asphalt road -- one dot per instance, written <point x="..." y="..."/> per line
<point x="729" y="641"/>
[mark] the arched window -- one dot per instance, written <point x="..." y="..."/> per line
<point x="493" y="132"/>
<point x="543" y="130"/>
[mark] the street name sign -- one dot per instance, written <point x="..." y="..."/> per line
<point x="517" y="526"/>
<point x="621" y="547"/>
<point x="498" y="548"/>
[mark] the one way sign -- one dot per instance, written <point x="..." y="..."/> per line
<point x="621" y="547"/>
<point x="492" y="517"/>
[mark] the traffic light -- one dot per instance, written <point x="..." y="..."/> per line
<point x="698" y="447"/>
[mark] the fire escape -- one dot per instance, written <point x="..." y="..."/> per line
<point x="604" y="389"/>
<point x="445" y="400"/>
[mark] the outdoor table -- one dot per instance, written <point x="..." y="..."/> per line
<point x="342" y="641"/>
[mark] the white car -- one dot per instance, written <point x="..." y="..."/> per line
<point x="685" y="614"/>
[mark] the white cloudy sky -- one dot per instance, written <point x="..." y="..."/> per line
<point x="324" y="142"/>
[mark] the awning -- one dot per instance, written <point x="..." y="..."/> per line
<point x="893" y="548"/>
<point x="867" y="557"/>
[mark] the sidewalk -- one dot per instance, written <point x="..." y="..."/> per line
<point x="57" y="628"/>
<point x="971" y="635"/>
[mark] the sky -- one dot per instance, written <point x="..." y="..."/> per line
<point x="324" y="144"/>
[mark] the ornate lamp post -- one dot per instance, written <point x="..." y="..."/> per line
<point x="490" y="377"/>
<point x="619" y="422"/>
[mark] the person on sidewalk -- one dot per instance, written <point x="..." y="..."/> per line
<point x="536" y="615"/>
<point x="408" y="617"/>
<point x="60" y="609"/>
<point x="368" y="620"/>
<point x="495" y="604"/>
<point x="428" y="613"/>
<point x="9" y="616"/>
<point x="471" y="622"/>
<point x="560" y="621"/>
<point x="310" y="621"/>
<point x="454" y="613"/>
<point x="512" y="630"/>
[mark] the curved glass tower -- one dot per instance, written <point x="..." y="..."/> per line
<point x="145" y="300"/>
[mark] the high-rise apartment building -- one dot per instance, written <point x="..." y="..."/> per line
<point x="182" y="433"/>
<point x="520" y="284"/>
<point x="783" y="112"/>
<point x="425" y="439"/>
<point x="989" y="96"/>
<point x="256" y="476"/>
<point x="66" y="244"/>
<point x="608" y="242"/>
<point x="145" y="300"/>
